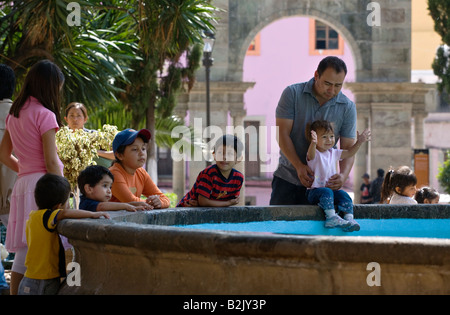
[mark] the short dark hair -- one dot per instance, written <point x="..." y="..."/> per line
<point x="316" y="126"/>
<point x="232" y="141"/>
<point x="91" y="175"/>
<point x="7" y="82"/>
<point x="332" y="62"/>
<point x="51" y="190"/>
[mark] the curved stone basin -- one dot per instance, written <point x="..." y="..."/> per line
<point x="142" y="253"/>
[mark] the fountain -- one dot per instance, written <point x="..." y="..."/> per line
<point x="144" y="253"/>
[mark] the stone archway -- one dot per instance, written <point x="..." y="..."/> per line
<point x="372" y="46"/>
<point x="381" y="54"/>
<point x="343" y="31"/>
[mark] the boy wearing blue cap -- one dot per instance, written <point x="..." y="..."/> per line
<point x="131" y="180"/>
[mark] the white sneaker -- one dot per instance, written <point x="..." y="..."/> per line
<point x="336" y="221"/>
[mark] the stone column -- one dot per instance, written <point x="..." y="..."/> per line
<point x="419" y="141"/>
<point x="391" y="144"/>
<point x="390" y="107"/>
<point x="238" y="124"/>
<point x="362" y="158"/>
<point x="225" y="97"/>
<point x="179" y="167"/>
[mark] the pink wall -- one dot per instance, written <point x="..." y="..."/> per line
<point x="284" y="60"/>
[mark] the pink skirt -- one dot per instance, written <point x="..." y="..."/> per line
<point x="22" y="203"/>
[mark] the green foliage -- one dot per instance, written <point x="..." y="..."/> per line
<point x="173" y="199"/>
<point x="91" y="55"/>
<point x="134" y="56"/>
<point x="444" y="174"/>
<point x="439" y="11"/>
<point x="117" y="115"/>
<point x="128" y="50"/>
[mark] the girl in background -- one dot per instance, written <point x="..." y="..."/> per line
<point x="399" y="186"/>
<point x="427" y="195"/>
<point x="31" y="125"/>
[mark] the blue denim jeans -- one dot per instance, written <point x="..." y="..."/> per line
<point x="327" y="198"/>
<point x="39" y="287"/>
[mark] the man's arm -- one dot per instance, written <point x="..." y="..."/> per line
<point x="305" y="174"/>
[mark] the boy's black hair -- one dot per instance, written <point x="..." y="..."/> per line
<point x="51" y="190"/>
<point x="7" y="82"/>
<point x="331" y="62"/>
<point x="230" y="140"/>
<point x="91" y="175"/>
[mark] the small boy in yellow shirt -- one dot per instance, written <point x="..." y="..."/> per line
<point x="45" y="256"/>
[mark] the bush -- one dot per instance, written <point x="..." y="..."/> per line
<point x="444" y="174"/>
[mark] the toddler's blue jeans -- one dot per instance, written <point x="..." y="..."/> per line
<point x="327" y="198"/>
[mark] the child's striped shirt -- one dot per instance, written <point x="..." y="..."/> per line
<point x="211" y="184"/>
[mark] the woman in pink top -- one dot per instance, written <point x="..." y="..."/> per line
<point x="31" y="126"/>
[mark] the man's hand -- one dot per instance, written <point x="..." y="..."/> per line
<point x="336" y="182"/>
<point x="305" y="175"/>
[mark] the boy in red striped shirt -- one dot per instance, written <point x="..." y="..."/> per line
<point x="218" y="185"/>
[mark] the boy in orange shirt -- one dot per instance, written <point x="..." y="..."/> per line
<point x="131" y="180"/>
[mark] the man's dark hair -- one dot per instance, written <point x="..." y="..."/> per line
<point x="332" y="62"/>
<point x="7" y="82"/>
<point x="51" y="190"/>
<point x="91" y="175"/>
<point x="380" y="172"/>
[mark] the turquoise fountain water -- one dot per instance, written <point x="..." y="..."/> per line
<point x="435" y="228"/>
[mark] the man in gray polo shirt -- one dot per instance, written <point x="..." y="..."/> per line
<point x="319" y="98"/>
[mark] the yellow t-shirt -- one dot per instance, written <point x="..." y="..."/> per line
<point x="43" y="256"/>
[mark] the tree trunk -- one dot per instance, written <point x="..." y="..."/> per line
<point x="152" y="164"/>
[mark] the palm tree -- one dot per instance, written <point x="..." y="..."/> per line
<point x="89" y="55"/>
<point x="129" y="50"/>
<point x="167" y="29"/>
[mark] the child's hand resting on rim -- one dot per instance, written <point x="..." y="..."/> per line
<point x="154" y="201"/>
